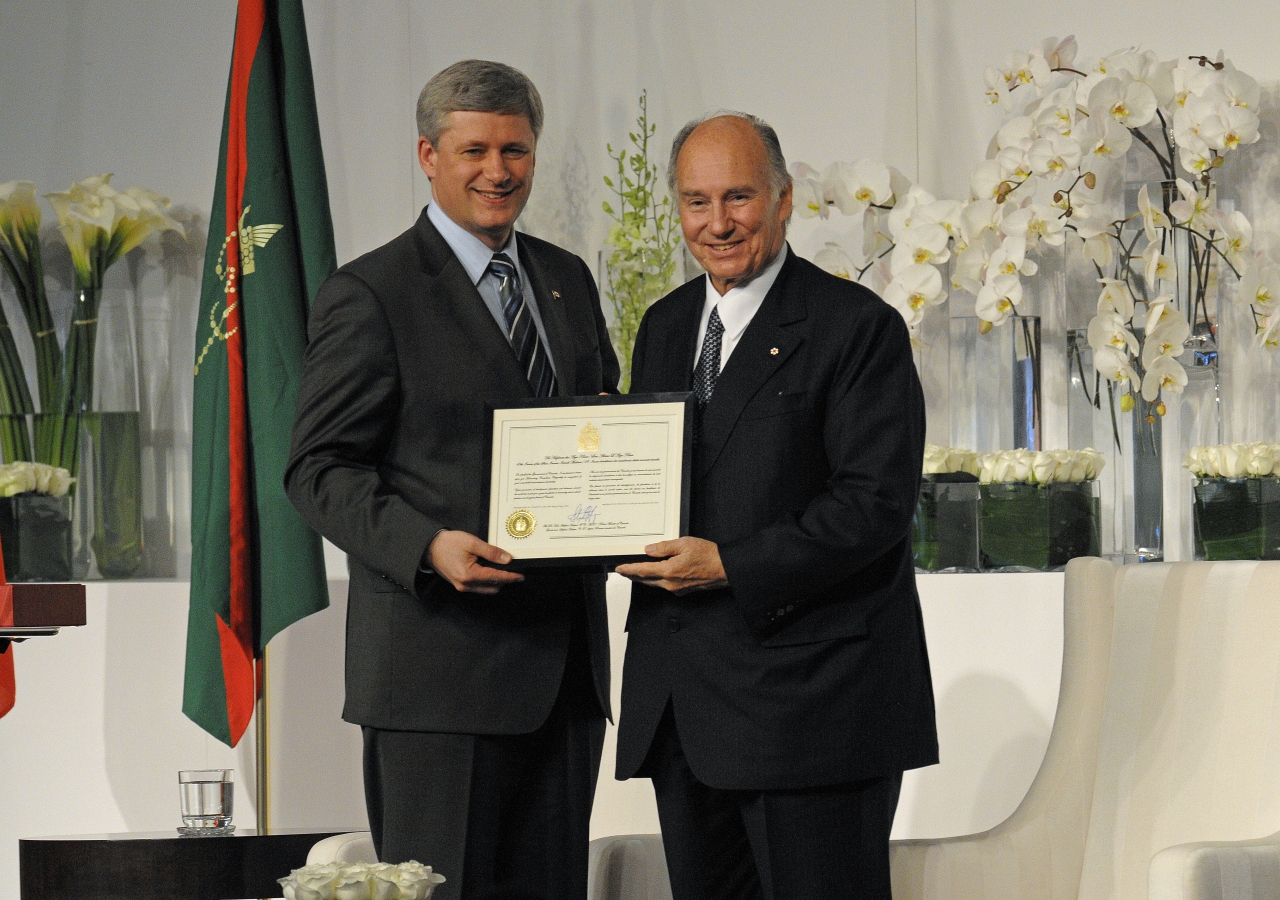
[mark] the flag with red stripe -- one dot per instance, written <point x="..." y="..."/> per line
<point x="8" y="687"/>
<point x="256" y="567"/>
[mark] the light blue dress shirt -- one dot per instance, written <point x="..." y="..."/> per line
<point x="475" y="256"/>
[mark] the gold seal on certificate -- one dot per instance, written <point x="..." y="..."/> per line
<point x="589" y="480"/>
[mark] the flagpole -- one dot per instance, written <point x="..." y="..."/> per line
<point x="260" y="746"/>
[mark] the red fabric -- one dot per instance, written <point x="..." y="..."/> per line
<point x="236" y="636"/>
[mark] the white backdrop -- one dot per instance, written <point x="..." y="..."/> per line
<point x="136" y="87"/>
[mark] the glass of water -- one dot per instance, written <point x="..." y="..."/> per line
<point x="207" y="801"/>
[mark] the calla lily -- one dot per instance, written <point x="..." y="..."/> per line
<point x="19" y="217"/>
<point x="1164" y="374"/>
<point x="831" y="258"/>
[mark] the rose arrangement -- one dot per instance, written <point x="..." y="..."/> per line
<point x="361" y="881"/>
<point x="1047" y="171"/>
<point x="1234" y="460"/>
<point x="1040" y="466"/>
<point x="26" y="477"/>
<point x="949" y="460"/>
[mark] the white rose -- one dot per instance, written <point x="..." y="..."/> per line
<point x="1021" y="467"/>
<point x="935" y="459"/>
<point x="311" y="882"/>
<point x="17" y="478"/>
<point x="352" y="882"/>
<point x="1043" y="467"/>
<point x="414" y="880"/>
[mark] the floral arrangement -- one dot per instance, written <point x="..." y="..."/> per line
<point x="1040" y="466"/>
<point x="1234" y="460"/>
<point x="361" y="881"/>
<point x="1047" y="172"/>
<point x="950" y="460"/>
<point x="645" y="237"/>
<point x="26" y="477"/>
<point x="100" y="225"/>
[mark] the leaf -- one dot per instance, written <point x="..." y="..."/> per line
<point x="608" y="209"/>
<point x="608" y="181"/>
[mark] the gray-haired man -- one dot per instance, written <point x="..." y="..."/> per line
<point x="482" y="693"/>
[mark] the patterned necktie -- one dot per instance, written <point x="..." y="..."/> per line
<point x="521" y="330"/>
<point x="708" y="370"/>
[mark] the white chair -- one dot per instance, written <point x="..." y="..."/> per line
<point x="1162" y="775"/>
<point x="628" y="867"/>
<point x="356" y="846"/>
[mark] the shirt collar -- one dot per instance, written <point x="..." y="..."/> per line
<point x="739" y="304"/>
<point x="473" y="253"/>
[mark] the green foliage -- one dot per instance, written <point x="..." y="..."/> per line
<point x="644" y="237"/>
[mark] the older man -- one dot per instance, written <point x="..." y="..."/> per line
<point x="482" y="694"/>
<point x="776" y="681"/>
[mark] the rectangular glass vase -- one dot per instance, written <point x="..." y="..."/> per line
<point x="944" y="531"/>
<point x="1038" y="527"/>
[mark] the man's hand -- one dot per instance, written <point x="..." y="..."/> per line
<point x="688" y="564"/>
<point x="454" y="556"/>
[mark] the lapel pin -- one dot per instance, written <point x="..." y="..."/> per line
<point x="555" y="294"/>
<point x="773" y="352"/>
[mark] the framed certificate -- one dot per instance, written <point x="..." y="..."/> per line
<point x="589" y="480"/>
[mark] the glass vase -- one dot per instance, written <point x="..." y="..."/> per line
<point x="996" y="400"/>
<point x="944" y="531"/>
<point x="1038" y="527"/>
<point x="1237" y="518"/>
<point x="102" y="375"/>
<point x="35" y="532"/>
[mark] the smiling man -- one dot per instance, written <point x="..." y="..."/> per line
<point x="482" y="694"/>
<point x="776" y="682"/>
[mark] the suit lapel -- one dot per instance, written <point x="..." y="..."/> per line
<point x="669" y="366"/>
<point x="764" y="347"/>
<point x="449" y="285"/>
<point x="551" y="311"/>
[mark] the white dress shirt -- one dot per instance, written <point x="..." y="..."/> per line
<point x="738" y="307"/>
<point x="475" y="256"/>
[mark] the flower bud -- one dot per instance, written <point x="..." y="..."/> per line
<point x="1126" y="402"/>
<point x="1090" y="180"/>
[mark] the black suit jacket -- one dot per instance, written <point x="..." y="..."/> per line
<point x="388" y="448"/>
<point x="810" y="669"/>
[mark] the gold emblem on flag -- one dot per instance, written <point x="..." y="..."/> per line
<point x="588" y="439"/>
<point x="248" y="237"/>
<point x="521" y="523"/>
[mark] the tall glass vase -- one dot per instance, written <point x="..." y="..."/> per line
<point x="103" y="414"/>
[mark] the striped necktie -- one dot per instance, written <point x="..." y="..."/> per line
<point x="521" y="330"/>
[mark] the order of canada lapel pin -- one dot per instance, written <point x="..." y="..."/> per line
<point x="555" y="294"/>
<point x="773" y="352"/>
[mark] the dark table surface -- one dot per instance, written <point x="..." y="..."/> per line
<point x="162" y="865"/>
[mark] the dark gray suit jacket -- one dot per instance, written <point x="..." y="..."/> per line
<point x="810" y="669"/>
<point x="388" y="448"/>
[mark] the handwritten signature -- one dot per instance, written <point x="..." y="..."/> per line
<point x="583" y="515"/>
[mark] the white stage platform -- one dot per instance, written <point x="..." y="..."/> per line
<point x="98" y="735"/>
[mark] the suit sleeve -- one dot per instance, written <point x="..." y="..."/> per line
<point x="347" y="412"/>
<point x="873" y="435"/>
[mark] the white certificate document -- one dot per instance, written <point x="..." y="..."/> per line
<point x="598" y="481"/>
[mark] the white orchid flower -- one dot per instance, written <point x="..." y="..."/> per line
<point x="968" y="272"/>
<point x="1168" y="340"/>
<point x="1160" y="313"/>
<point x="902" y="216"/>
<point x="1260" y="284"/>
<point x="1164" y="374"/>
<point x="1045" y="226"/>
<point x="1131" y="104"/>
<point x="1114" y="365"/>
<point x="1237" y="236"/>
<point x="941" y="212"/>
<point x="1059" y="54"/>
<point x="1233" y="126"/>
<point x="1115" y="297"/>
<point x="1054" y="157"/>
<point x="987" y="180"/>
<point x="1153" y="217"/>
<point x="1157" y="75"/>
<point x="806" y="192"/>
<point x="997" y="83"/>
<point x="1195" y="155"/>
<point x="1240" y="89"/>
<point x="921" y="243"/>
<point x="1097" y="249"/>
<point x="1014" y="132"/>
<point x="1194" y="209"/>
<point x="999" y="298"/>
<point x="1028" y="68"/>
<point x="831" y="258"/>
<point x="1109" y="330"/>
<point x="1269" y="331"/>
<point x="852" y="188"/>
<point x="979" y="217"/>
<point x="1104" y="140"/>
<point x="912" y="289"/>
<point x="875" y="239"/>
<point x="1158" y="267"/>
<point x="1056" y="113"/>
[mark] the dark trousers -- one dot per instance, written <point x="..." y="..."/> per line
<point x="497" y="815"/>
<point x="827" y="843"/>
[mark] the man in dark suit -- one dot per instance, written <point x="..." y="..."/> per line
<point x="482" y="693"/>
<point x="776" y="682"/>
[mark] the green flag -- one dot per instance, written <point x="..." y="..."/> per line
<point x="256" y="567"/>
